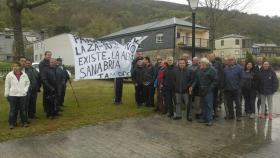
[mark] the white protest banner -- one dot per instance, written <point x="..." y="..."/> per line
<point x="103" y="59"/>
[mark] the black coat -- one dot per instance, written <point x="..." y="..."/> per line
<point x="149" y="74"/>
<point x="49" y="79"/>
<point x="61" y="75"/>
<point x="182" y="80"/>
<point x="218" y="65"/>
<point x="137" y="75"/>
<point x="267" y="82"/>
<point x="206" y="80"/>
<point x="168" y="78"/>
<point x="249" y="81"/>
<point x="34" y="78"/>
<point x="43" y="65"/>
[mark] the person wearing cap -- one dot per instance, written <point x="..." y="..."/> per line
<point x="62" y="77"/>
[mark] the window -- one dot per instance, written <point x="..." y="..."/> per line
<point x="36" y="57"/>
<point x="159" y="38"/>
<point x="41" y="56"/>
<point x="178" y="35"/>
<point x="222" y="42"/>
<point x="237" y="42"/>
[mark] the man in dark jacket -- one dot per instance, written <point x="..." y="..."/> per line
<point x="233" y="77"/>
<point x="44" y="64"/>
<point x="137" y="79"/>
<point x="207" y="81"/>
<point x="257" y="69"/>
<point x="168" y="89"/>
<point x="62" y="77"/>
<point x="35" y="84"/>
<point x="148" y="82"/>
<point x="267" y="85"/>
<point x="182" y="84"/>
<point x="49" y="80"/>
<point x="217" y="64"/>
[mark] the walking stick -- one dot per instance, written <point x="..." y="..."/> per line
<point x="77" y="102"/>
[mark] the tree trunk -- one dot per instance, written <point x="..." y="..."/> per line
<point x="18" y="36"/>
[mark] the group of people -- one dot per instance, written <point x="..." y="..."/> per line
<point x="204" y="83"/>
<point x="24" y="82"/>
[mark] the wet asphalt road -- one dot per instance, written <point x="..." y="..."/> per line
<point x="156" y="137"/>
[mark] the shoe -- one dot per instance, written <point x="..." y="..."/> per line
<point x="11" y="127"/>
<point x="238" y="119"/>
<point x="252" y="116"/>
<point x="270" y="116"/>
<point x="261" y="116"/>
<point x="209" y="123"/>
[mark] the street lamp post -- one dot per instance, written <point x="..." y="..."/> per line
<point x="193" y="4"/>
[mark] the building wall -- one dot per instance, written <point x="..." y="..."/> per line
<point x="149" y="43"/>
<point x="6" y="47"/>
<point x="202" y="36"/>
<point x="59" y="45"/>
<point x="229" y="43"/>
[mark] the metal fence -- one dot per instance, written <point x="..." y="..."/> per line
<point x="4" y="72"/>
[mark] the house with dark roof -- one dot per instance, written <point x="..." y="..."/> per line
<point x="233" y="45"/>
<point x="169" y="37"/>
<point x="267" y="50"/>
<point x="7" y="44"/>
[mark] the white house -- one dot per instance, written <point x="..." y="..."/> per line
<point x="59" y="45"/>
<point x="233" y="45"/>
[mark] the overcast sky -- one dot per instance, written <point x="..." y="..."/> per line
<point x="262" y="7"/>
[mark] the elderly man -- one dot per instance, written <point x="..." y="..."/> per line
<point x="233" y="76"/>
<point x="207" y="79"/>
<point x="168" y="87"/>
<point x="257" y="69"/>
<point x="218" y="66"/>
<point x="186" y="57"/>
<point x="49" y="79"/>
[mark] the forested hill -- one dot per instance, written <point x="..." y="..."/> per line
<point x="100" y="17"/>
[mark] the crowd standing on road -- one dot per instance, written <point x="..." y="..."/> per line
<point x="182" y="85"/>
<point x="24" y="82"/>
<point x="204" y="84"/>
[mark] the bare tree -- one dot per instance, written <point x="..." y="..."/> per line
<point x="216" y="11"/>
<point x="16" y="7"/>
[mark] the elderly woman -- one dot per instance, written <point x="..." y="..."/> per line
<point x="268" y="85"/>
<point x="16" y="87"/>
<point x="206" y="80"/>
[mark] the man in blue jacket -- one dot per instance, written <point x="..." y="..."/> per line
<point x="233" y="76"/>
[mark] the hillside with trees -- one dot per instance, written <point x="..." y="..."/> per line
<point x="96" y="18"/>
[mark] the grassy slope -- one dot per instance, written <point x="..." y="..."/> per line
<point x="95" y="106"/>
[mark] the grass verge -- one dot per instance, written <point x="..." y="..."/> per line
<point x="96" y="105"/>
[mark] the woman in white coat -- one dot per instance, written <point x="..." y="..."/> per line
<point x="16" y="87"/>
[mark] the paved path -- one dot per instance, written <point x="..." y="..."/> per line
<point x="155" y="137"/>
